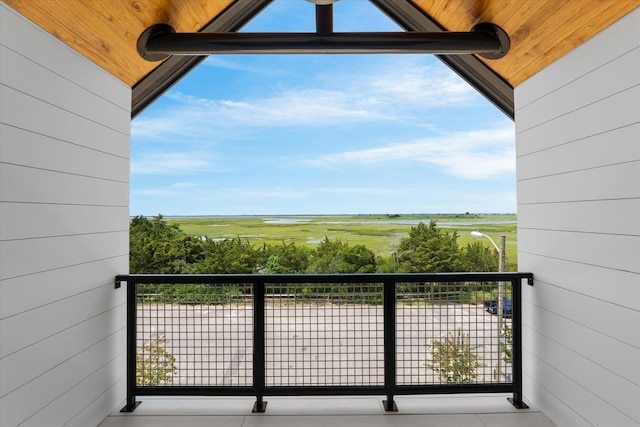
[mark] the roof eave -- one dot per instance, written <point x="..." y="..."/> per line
<point x="405" y="14"/>
<point x="163" y="77"/>
<point x="468" y="67"/>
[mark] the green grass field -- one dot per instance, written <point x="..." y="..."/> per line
<point x="380" y="233"/>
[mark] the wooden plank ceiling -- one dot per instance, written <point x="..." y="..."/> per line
<point x="541" y="31"/>
<point x="106" y="31"/>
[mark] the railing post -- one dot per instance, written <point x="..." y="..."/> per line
<point x="131" y="403"/>
<point x="516" y="328"/>
<point x="389" y="312"/>
<point x="258" y="347"/>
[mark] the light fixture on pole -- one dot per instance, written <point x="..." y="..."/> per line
<point x="500" y="250"/>
<point x="499" y="306"/>
<point x="322" y="2"/>
<point x="324" y="16"/>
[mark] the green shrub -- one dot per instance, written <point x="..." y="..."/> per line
<point x="155" y="365"/>
<point x="189" y="293"/>
<point x="454" y="358"/>
<point x="506" y="343"/>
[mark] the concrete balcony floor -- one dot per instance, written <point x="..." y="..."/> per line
<point x="366" y="411"/>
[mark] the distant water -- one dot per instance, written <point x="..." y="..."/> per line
<point x="286" y="221"/>
<point x="384" y="221"/>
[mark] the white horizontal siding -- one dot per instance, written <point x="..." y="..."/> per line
<point x="64" y="195"/>
<point x="586" y="248"/>
<point x="42" y="287"/>
<point x="102" y="404"/>
<point x="60" y="220"/>
<point x="23" y="257"/>
<point x="44" y="389"/>
<point x="578" y="165"/>
<point x="599" y="282"/>
<point x="571" y="398"/>
<point x="560" y="412"/>
<point x="30" y="78"/>
<point x="91" y="388"/>
<point x="608" y="182"/>
<point x="63" y="346"/>
<point x="61" y="156"/>
<point x="30" y="327"/>
<point x="20" y="110"/>
<point x="60" y="188"/>
<point x="595" y="216"/>
<point x="602" y="349"/>
<point x="602" y="383"/>
<point x="583" y="92"/>
<point x="581" y="123"/>
<point x="615" y="321"/>
<point x="608" y="148"/>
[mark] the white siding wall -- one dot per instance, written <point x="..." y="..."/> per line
<point x="64" y="196"/>
<point x="578" y="171"/>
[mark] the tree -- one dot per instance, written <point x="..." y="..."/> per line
<point x="357" y="259"/>
<point x="477" y="257"/>
<point x="155" y="247"/>
<point x="429" y="250"/>
<point x="273" y="265"/>
<point x="326" y="255"/>
<point x="386" y="264"/>
<point x="292" y="259"/>
<point x="230" y="256"/>
<point x="336" y="256"/>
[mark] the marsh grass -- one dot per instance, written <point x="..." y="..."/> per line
<point x="379" y="233"/>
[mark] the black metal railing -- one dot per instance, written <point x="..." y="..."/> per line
<point x="290" y="335"/>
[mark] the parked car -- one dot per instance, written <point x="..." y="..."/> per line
<point x="492" y="307"/>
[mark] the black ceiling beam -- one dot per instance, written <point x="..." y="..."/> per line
<point x="468" y="67"/>
<point x="160" y="41"/>
<point x="174" y="68"/>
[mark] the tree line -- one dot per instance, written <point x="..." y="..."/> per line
<point x="157" y="247"/>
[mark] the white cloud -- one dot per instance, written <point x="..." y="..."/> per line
<point x="391" y="89"/>
<point x="168" y="164"/>
<point x="357" y="190"/>
<point x="184" y="185"/>
<point x="205" y="119"/>
<point x="409" y="81"/>
<point x="218" y="62"/>
<point x="257" y="193"/>
<point x="477" y="154"/>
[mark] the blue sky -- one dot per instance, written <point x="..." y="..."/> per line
<point x="322" y="134"/>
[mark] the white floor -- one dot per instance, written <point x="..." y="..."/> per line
<point x="425" y="411"/>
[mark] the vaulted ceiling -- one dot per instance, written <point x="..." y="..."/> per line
<point x="540" y="31"/>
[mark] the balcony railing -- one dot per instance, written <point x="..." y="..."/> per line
<point x="292" y="335"/>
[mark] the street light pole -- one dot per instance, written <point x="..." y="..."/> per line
<point x="501" y="250"/>
<point x="501" y="266"/>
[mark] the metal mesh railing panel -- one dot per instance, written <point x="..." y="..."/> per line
<point x="324" y="335"/>
<point x="445" y="335"/>
<point x="194" y="335"/>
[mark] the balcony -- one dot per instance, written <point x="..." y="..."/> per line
<point x="435" y="410"/>
<point x="233" y="339"/>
